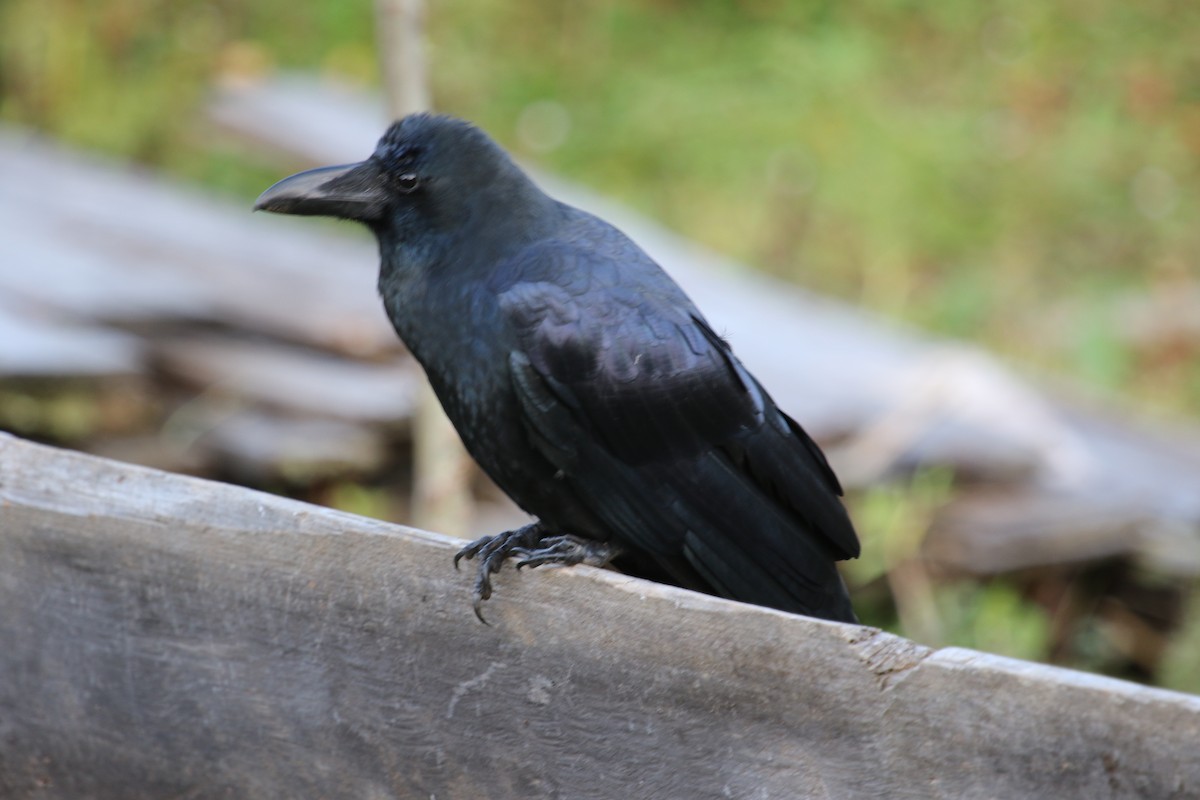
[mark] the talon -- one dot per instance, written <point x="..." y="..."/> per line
<point x="492" y="552"/>
<point x="533" y="547"/>
<point x="478" y="605"/>
<point x="532" y="561"/>
<point x="471" y="550"/>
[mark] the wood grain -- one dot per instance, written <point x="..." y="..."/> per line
<point x="172" y="637"/>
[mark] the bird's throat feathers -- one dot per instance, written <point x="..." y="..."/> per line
<point x="464" y="240"/>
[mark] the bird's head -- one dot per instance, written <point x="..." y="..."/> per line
<point x="429" y="173"/>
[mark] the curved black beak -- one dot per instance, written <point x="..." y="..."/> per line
<point x="349" y="191"/>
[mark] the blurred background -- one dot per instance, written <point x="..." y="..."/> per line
<point x="1020" y="177"/>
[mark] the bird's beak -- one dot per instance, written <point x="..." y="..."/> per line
<point x="349" y="191"/>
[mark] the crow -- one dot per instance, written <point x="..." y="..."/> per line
<point x="584" y="381"/>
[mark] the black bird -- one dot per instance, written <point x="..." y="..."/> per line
<point x="584" y="381"/>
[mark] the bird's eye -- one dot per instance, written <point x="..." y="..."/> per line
<point x="408" y="182"/>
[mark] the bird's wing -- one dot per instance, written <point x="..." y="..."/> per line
<point x="605" y="357"/>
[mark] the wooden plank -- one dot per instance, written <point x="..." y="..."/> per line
<point x="1136" y="493"/>
<point x="294" y="379"/>
<point x="34" y="346"/>
<point x="168" y="636"/>
<point x="259" y="448"/>
<point x="116" y="245"/>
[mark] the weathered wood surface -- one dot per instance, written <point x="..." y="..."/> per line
<point x="106" y="273"/>
<point x="165" y="636"/>
<point x="292" y="378"/>
<point x="114" y="245"/>
<point x="1062" y="481"/>
<point x="37" y="346"/>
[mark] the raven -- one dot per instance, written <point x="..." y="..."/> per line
<point x="584" y="381"/>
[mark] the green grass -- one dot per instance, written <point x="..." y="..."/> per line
<point x="970" y="170"/>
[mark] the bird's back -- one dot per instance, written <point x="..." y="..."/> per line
<point x="656" y="430"/>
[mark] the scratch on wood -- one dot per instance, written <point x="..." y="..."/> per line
<point x="539" y="690"/>
<point x="888" y="656"/>
<point x="466" y="686"/>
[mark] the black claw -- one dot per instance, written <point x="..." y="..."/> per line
<point x="533" y="562"/>
<point x="492" y="552"/>
<point x="534" y="548"/>
<point x="471" y="550"/>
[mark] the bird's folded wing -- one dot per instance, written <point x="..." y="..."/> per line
<point x="642" y="374"/>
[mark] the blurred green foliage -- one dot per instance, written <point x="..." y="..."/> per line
<point x="993" y="172"/>
<point x="992" y="615"/>
<point x="62" y="413"/>
<point x="1007" y="173"/>
<point x="1181" y="662"/>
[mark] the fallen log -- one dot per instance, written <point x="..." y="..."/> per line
<point x="169" y="636"/>
<point x="113" y="245"/>
<point x="39" y="347"/>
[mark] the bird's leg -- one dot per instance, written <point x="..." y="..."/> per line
<point x="536" y="546"/>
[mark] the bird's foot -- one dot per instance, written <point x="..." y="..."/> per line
<point x="535" y="548"/>
<point x="492" y="552"/>
<point x="568" y="551"/>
